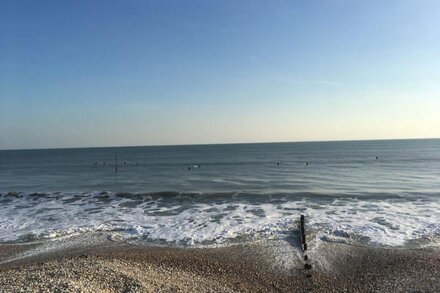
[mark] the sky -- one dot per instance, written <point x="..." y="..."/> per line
<point x="120" y="73"/>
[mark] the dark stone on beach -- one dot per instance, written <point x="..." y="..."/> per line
<point x="306" y="257"/>
<point x="308" y="266"/>
<point x="305" y="246"/>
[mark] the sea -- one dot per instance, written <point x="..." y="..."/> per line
<point x="380" y="193"/>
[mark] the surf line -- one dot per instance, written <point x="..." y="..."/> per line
<point x="307" y="265"/>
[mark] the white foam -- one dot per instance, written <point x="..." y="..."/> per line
<point x="388" y="222"/>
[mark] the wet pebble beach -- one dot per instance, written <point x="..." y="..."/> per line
<point x="244" y="268"/>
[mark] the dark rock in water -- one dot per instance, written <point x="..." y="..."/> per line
<point x="156" y="195"/>
<point x="126" y="195"/>
<point x="341" y="233"/>
<point x="27" y="237"/>
<point x="14" y="194"/>
<point x="37" y="194"/>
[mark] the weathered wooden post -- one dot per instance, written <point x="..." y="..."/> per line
<point x="307" y="265"/>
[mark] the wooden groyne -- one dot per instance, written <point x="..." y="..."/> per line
<point x="307" y="265"/>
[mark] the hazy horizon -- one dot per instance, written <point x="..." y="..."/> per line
<point x="225" y="143"/>
<point x="98" y="73"/>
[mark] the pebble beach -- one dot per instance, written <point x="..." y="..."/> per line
<point x="241" y="268"/>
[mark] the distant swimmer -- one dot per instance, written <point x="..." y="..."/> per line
<point x="103" y="163"/>
<point x="189" y="168"/>
<point x="306" y="163"/>
<point x="137" y="164"/>
<point x="96" y="163"/>
<point x="278" y="163"/>
<point x="377" y="158"/>
<point x="125" y="163"/>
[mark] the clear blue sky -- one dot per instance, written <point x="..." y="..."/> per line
<point x="103" y="73"/>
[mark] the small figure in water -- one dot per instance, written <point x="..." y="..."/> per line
<point x="103" y="163"/>
<point x="125" y="163"/>
<point x="137" y="164"/>
<point x="96" y="163"/>
<point x="278" y="163"/>
<point x="377" y="158"/>
<point x="189" y="168"/>
<point x="306" y="163"/>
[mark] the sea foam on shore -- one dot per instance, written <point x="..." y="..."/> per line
<point x="212" y="220"/>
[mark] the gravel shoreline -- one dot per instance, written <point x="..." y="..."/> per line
<point x="241" y="268"/>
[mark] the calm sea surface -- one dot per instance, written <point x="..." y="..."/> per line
<point x="372" y="192"/>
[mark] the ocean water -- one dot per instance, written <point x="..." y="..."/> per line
<point x="362" y="192"/>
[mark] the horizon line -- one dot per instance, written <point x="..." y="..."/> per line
<point x="221" y="143"/>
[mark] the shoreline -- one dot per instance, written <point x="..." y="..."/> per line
<point x="99" y="265"/>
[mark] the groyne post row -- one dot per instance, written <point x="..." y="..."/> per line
<point x="307" y="265"/>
